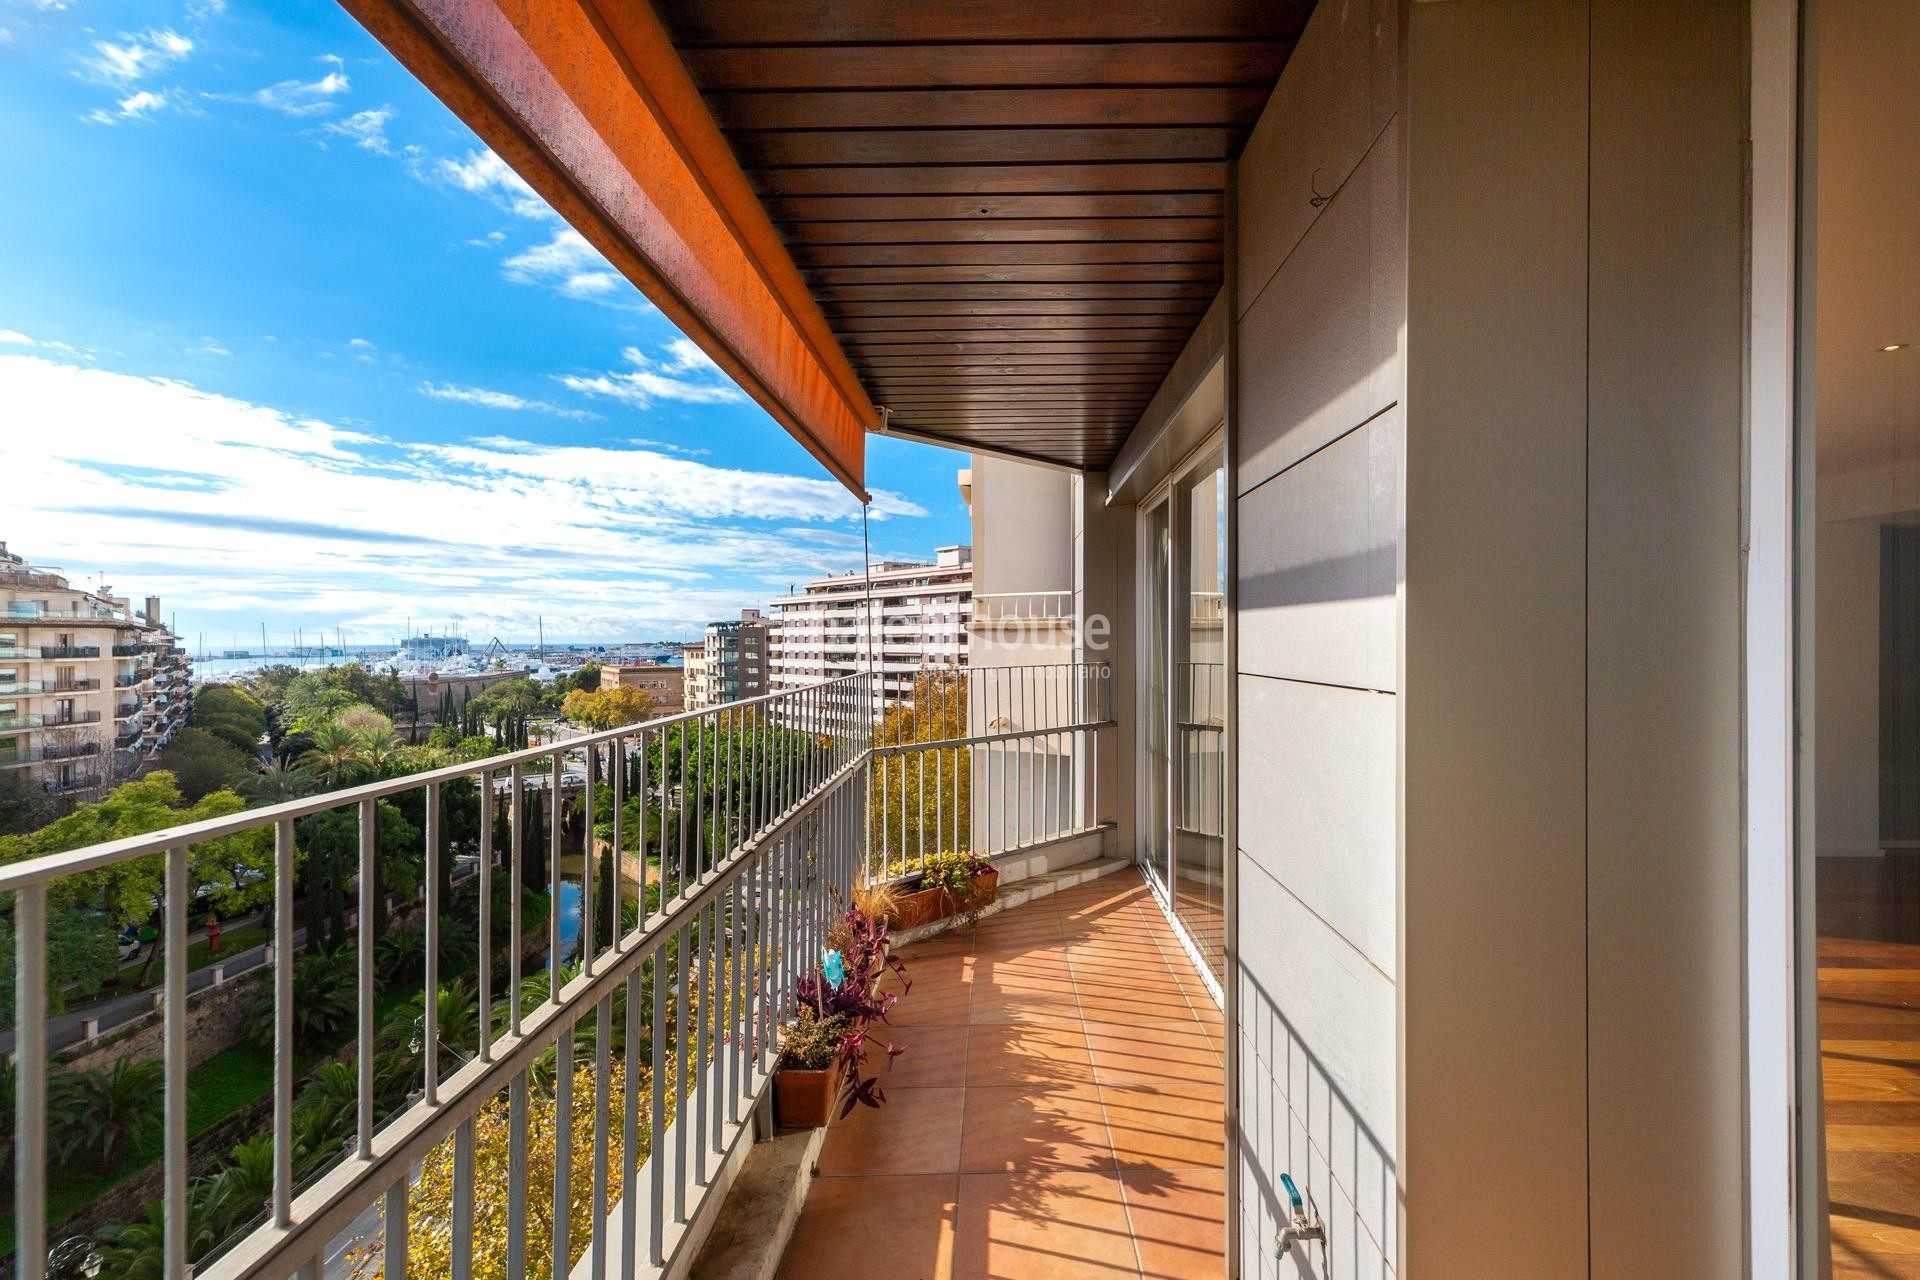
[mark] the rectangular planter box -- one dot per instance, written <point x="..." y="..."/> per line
<point x="924" y="906"/>
<point x="805" y="1099"/>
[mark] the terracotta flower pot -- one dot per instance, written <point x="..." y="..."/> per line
<point x="804" y="1099"/>
<point x="924" y="906"/>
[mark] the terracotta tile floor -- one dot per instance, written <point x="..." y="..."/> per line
<point x="1057" y="1112"/>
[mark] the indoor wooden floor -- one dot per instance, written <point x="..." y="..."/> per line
<point x="1869" y="980"/>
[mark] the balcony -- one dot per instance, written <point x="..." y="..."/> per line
<point x="10" y="722"/>
<point x="1063" y="1062"/>
<point x="1059" y="1109"/>
<point x="71" y="783"/>
<point x="73" y="686"/>
<point x="18" y="687"/>
<point x="55" y="651"/>
<point x="59" y="719"/>
<point x="19" y="651"/>
<point x="125" y="710"/>
<point x="20" y="757"/>
<point x="128" y="650"/>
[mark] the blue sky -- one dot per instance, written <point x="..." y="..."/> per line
<point x="281" y="341"/>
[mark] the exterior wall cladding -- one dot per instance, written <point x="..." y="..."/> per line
<point x="1318" y="438"/>
<point x="1486" y="434"/>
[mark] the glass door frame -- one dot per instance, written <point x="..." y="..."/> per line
<point x="1163" y="879"/>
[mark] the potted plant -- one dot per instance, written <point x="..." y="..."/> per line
<point x="949" y="884"/>
<point x="823" y="1050"/>
<point x="807" y="1082"/>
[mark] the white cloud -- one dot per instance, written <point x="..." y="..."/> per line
<point x="362" y="343"/>
<point x="209" y="347"/>
<point x="485" y="173"/>
<point x="486" y="398"/>
<point x="651" y="380"/>
<point x="568" y="265"/>
<point x="15" y="338"/>
<point x="134" y="57"/>
<point x="202" y="10"/>
<point x="365" y="129"/>
<point x="303" y="521"/>
<point x="296" y="97"/>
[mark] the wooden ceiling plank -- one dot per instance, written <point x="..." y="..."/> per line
<point x="995" y="147"/>
<point x="1090" y="204"/>
<point x="833" y="22"/>
<point x="988" y="293"/>
<point x="882" y="328"/>
<point x="1040" y="310"/>
<point x="1103" y="176"/>
<point x="1006" y="231"/>
<point x="1003" y="255"/>
<point x="807" y="66"/>
<point x="969" y="108"/>
<point x="1205" y="273"/>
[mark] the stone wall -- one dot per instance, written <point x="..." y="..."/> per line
<point x="216" y="1020"/>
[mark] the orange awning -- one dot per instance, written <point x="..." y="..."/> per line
<point x="593" y="107"/>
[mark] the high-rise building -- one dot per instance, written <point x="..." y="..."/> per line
<point x="693" y="663"/>
<point x="89" y="688"/>
<point x="903" y="617"/>
<point x="736" y="659"/>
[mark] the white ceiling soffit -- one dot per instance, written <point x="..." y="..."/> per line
<point x="1191" y="402"/>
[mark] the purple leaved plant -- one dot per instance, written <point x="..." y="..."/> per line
<point x="857" y="996"/>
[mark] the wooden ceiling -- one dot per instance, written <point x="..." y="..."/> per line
<point x="1010" y="211"/>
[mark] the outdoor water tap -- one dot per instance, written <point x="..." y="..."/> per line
<point x="1303" y="1226"/>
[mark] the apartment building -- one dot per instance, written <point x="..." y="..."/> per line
<point x="902" y="617"/>
<point x="89" y="688"/>
<point x="730" y="662"/>
<point x="693" y="680"/>
<point x="663" y="683"/>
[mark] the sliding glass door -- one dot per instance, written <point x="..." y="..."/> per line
<point x="1184" y="692"/>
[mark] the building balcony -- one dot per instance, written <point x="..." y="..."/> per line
<point x="124" y="710"/>
<point x="22" y="756"/>
<point x="73" y="782"/>
<point x="60" y="651"/>
<point x="87" y="685"/>
<point x="1060" y="1089"/>
<point x="18" y="687"/>
<point x="1059" y="1109"/>
<point x="15" y="721"/>
<point x="19" y="651"/>
<point x="126" y="680"/>
<point x="128" y="650"/>
<point x="60" y="720"/>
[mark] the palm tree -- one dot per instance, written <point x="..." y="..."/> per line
<point x="337" y="750"/>
<point x="379" y="748"/>
<point x="116" y="1111"/>
<point x="277" y="782"/>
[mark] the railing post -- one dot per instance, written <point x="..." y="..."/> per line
<point x="30" y="1082"/>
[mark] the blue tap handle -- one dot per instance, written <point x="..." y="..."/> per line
<point x="1293" y="1194"/>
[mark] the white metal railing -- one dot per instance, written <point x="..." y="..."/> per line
<point x="735" y="830"/>
<point x="1005" y="758"/>
<point x="1001" y="607"/>
<point x="749" y="825"/>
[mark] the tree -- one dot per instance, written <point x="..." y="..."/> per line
<point x="336" y="752"/>
<point x="430" y="1201"/>
<point x="82" y="955"/>
<point x="108" y="1113"/>
<point x="203" y="763"/>
<point x="922" y="800"/>
<point x="131" y="890"/>
<point x="276" y="782"/>
<point x="608" y="708"/>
